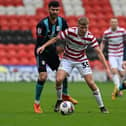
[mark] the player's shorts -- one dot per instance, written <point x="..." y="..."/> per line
<point x="116" y="62"/>
<point x="49" y="58"/>
<point x="67" y="65"/>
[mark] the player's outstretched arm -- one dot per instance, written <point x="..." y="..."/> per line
<point x="103" y="60"/>
<point x="102" y="46"/>
<point x="42" y="48"/>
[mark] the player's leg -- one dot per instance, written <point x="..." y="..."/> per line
<point x="54" y="62"/>
<point x="96" y="92"/>
<point x="116" y="81"/>
<point x="38" y="91"/>
<point x="40" y="83"/>
<point x="116" y="77"/>
<point x="122" y="74"/>
<point x="65" y="86"/>
<point x="61" y="74"/>
<point x="64" y="69"/>
<point x="122" y="86"/>
<point x="122" y="82"/>
<point x="118" y="91"/>
<point x="86" y="72"/>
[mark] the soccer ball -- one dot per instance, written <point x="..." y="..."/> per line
<point x="66" y="107"/>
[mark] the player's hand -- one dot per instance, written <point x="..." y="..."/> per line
<point x="40" y="49"/>
<point x="109" y="73"/>
<point x="124" y="65"/>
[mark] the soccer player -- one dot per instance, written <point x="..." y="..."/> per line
<point x="79" y="38"/>
<point x="123" y="85"/>
<point x="46" y="29"/>
<point x="114" y="36"/>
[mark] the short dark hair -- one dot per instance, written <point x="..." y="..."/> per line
<point x="53" y="4"/>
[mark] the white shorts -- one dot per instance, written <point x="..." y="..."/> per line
<point x="68" y="65"/>
<point x="116" y="62"/>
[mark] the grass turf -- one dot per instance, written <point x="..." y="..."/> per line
<point x="16" y="106"/>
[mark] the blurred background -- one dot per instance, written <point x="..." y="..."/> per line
<point x="18" y="19"/>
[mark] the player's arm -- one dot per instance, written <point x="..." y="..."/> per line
<point x="62" y="35"/>
<point x="104" y="39"/>
<point x="51" y="41"/>
<point x="103" y="60"/>
<point x="102" y="45"/>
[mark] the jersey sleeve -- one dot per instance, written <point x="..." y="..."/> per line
<point x="40" y="32"/>
<point x="93" y="41"/>
<point x="63" y="34"/>
<point x="65" y="25"/>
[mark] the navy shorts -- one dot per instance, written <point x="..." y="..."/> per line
<point x="48" y="57"/>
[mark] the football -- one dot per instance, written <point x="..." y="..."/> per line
<point x="66" y="108"/>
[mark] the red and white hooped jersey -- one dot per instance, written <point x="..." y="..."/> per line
<point x="115" y="41"/>
<point x="76" y="46"/>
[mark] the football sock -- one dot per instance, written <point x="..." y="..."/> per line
<point x="59" y="92"/>
<point x="98" y="97"/>
<point x="39" y="88"/>
<point x="65" y="86"/>
<point x="122" y="87"/>
<point x="116" y="80"/>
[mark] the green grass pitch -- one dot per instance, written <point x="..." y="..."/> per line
<point x="16" y="106"/>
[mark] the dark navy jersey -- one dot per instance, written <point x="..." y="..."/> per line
<point x="45" y="30"/>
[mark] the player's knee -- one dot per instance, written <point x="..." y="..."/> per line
<point x="42" y="77"/>
<point x="59" y="80"/>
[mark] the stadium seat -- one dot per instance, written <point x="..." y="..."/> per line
<point x="12" y="54"/>
<point x="2" y="10"/>
<point x="13" y="24"/>
<point x="11" y="47"/>
<point x="2" y="46"/>
<point x="20" y="10"/>
<point x="10" y="10"/>
<point x="5" y="61"/>
<point x="38" y="3"/>
<point x="4" y="24"/>
<point x="24" y="61"/>
<point x="2" y="53"/>
<point x="30" y="10"/>
<point x="14" y="61"/>
<point x="17" y="3"/>
<point x="22" y="53"/>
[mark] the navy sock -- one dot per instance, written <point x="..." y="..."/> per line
<point x="65" y="86"/>
<point x="39" y="89"/>
<point x="122" y="87"/>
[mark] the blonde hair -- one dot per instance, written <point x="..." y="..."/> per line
<point x="83" y="21"/>
<point x="114" y="18"/>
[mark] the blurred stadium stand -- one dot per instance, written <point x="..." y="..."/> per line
<point x="18" y="19"/>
